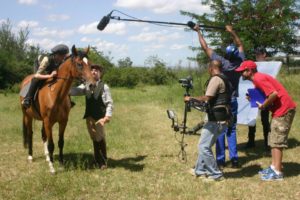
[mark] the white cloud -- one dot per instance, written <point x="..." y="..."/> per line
<point x="61" y="17"/>
<point x="160" y="36"/>
<point x="46" y="44"/>
<point x="85" y="39"/>
<point x="115" y="28"/>
<point x="118" y="28"/>
<point x="28" y="2"/>
<point x="164" y="6"/>
<point x="29" y="24"/>
<point x="103" y="45"/>
<point x="2" y="21"/>
<point x="89" y="28"/>
<point x="178" y="46"/>
<point x="46" y="32"/>
<point x="146" y="29"/>
<point x="153" y="47"/>
<point x="110" y="46"/>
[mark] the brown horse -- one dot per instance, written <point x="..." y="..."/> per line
<point x="53" y="104"/>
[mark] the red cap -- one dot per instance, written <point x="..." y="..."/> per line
<point x="248" y="64"/>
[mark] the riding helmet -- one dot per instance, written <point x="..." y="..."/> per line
<point x="60" y="49"/>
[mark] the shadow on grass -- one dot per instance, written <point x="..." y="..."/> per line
<point x="248" y="171"/>
<point x="259" y="151"/>
<point x="259" y="145"/>
<point x="129" y="163"/>
<point x="290" y="169"/>
<point x="85" y="161"/>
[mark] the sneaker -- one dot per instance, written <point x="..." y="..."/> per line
<point x="211" y="179"/>
<point x="221" y="166"/>
<point x="235" y="164"/>
<point x="103" y="167"/>
<point x="193" y="173"/>
<point x="265" y="171"/>
<point x="272" y="176"/>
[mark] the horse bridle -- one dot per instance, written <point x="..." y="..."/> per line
<point x="79" y="66"/>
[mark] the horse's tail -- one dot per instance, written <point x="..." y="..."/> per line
<point x="25" y="133"/>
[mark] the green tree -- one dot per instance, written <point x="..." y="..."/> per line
<point x="98" y="57"/>
<point x="16" y="56"/>
<point x="268" y="23"/>
<point x="125" y="62"/>
<point x="158" y="72"/>
<point x="153" y="61"/>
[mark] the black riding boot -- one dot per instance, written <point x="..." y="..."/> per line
<point x="72" y="102"/>
<point x="29" y="96"/>
<point x="251" y="137"/>
<point x="99" y="158"/>
<point x="103" y="150"/>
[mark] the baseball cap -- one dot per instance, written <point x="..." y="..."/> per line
<point x="248" y="64"/>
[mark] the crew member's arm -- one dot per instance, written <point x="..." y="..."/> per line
<point x="203" y="43"/>
<point x="199" y="98"/>
<point x="269" y="100"/>
<point x="235" y="37"/>
<point x="78" y="91"/>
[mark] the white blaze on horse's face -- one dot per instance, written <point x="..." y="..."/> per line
<point x="85" y="60"/>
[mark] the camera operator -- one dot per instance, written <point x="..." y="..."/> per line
<point x="218" y="96"/>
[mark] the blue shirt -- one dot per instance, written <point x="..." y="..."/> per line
<point x="228" y="68"/>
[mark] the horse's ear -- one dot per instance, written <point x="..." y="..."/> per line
<point x="74" y="50"/>
<point x="86" y="50"/>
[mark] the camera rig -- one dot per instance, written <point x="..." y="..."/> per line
<point x="186" y="83"/>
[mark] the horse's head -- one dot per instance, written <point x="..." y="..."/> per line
<point x="83" y="69"/>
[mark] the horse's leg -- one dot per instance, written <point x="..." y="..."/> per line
<point x="48" y="131"/>
<point x="62" y="127"/>
<point x="44" y="138"/>
<point x="27" y="134"/>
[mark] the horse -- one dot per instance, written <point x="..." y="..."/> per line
<point x="53" y="103"/>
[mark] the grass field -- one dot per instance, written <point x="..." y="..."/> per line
<point x="142" y="151"/>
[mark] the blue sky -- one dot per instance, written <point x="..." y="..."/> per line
<point x="74" y="22"/>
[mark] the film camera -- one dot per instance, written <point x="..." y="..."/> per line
<point x="186" y="82"/>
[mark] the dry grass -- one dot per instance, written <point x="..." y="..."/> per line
<point x="143" y="162"/>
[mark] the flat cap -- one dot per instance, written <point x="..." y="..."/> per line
<point x="60" y="49"/>
<point x="98" y="67"/>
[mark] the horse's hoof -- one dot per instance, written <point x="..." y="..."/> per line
<point x="51" y="168"/>
<point x="30" y="158"/>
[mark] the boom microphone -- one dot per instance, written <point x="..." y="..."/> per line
<point x="104" y="21"/>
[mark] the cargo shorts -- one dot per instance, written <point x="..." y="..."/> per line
<point x="280" y="128"/>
